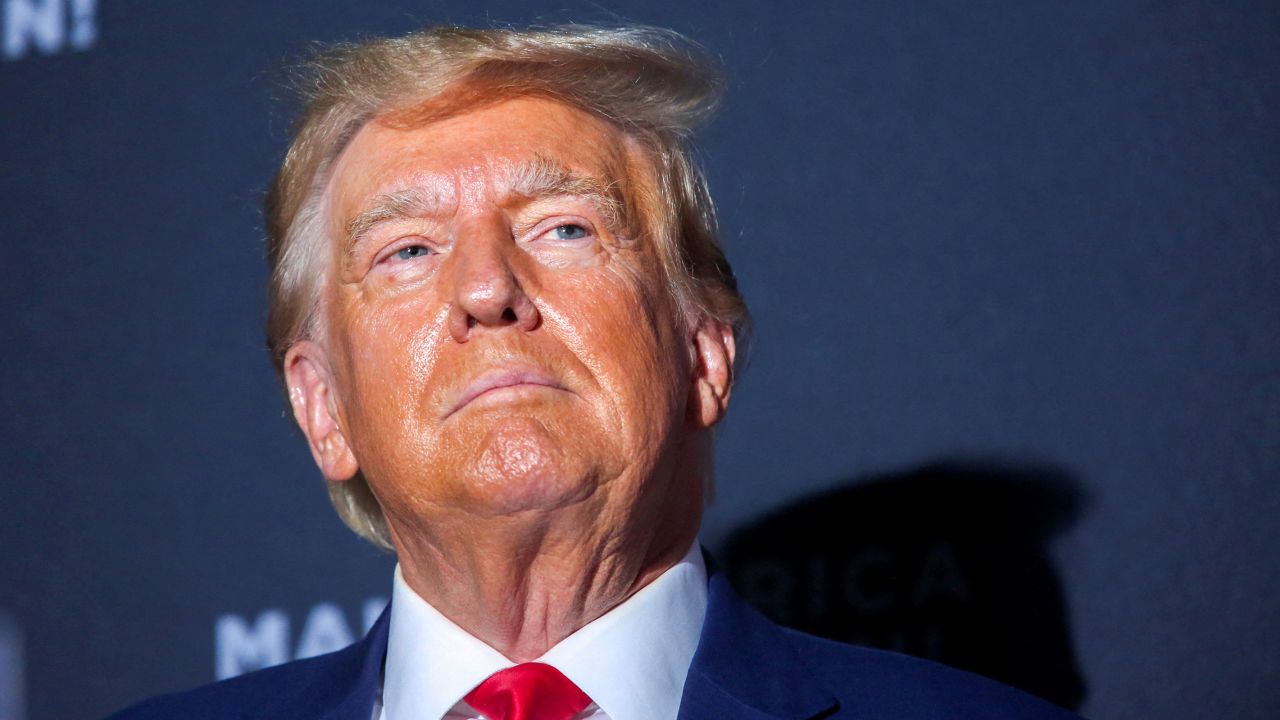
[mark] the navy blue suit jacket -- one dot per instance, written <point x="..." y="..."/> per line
<point x="745" y="668"/>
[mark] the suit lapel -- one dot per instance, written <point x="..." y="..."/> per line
<point x="745" y="667"/>
<point x="362" y="663"/>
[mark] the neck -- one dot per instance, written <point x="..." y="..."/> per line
<point x="522" y="585"/>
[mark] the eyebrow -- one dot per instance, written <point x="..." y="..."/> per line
<point x="534" y="179"/>
<point x="398" y="205"/>
<point x="542" y="177"/>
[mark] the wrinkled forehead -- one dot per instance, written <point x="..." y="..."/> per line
<point x="504" y="148"/>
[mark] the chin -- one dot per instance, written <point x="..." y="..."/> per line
<point x="525" y="466"/>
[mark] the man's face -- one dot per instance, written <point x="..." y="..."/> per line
<point x="496" y="339"/>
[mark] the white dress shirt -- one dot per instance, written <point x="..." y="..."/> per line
<point x="631" y="661"/>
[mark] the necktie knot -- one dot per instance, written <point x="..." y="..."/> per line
<point x="529" y="691"/>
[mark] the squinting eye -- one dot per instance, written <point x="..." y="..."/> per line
<point x="413" y="251"/>
<point x="570" y="232"/>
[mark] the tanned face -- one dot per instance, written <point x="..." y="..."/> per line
<point x="499" y="340"/>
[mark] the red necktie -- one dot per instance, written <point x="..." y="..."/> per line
<point x="530" y="691"/>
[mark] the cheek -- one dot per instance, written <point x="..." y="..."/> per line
<point x="392" y="346"/>
<point x="626" y="330"/>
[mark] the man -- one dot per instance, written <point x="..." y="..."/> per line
<point x="507" y="329"/>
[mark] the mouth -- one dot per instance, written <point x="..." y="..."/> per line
<point x="498" y="381"/>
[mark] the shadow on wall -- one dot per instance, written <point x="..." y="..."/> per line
<point x="949" y="562"/>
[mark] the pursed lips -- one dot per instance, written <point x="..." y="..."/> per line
<point x="503" y="377"/>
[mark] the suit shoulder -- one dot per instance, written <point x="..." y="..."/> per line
<point x="880" y="682"/>
<point x="279" y="691"/>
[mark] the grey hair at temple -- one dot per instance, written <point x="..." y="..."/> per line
<point x="656" y="85"/>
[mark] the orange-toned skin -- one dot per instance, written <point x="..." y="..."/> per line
<point x="524" y="512"/>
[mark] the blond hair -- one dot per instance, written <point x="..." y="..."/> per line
<point x="657" y="86"/>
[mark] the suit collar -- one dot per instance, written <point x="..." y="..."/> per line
<point x="363" y="660"/>
<point x="745" y="666"/>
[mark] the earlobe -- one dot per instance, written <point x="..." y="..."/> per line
<point x="714" y="352"/>
<point x="309" y="380"/>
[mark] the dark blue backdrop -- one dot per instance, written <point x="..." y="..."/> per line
<point x="1014" y="269"/>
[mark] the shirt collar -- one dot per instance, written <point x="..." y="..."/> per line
<point x="630" y="671"/>
<point x="431" y="662"/>
<point x="632" y="661"/>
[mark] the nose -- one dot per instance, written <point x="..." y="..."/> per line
<point x="488" y="291"/>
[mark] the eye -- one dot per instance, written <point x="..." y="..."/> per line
<point x="411" y="252"/>
<point x="560" y="236"/>
<point x="569" y="231"/>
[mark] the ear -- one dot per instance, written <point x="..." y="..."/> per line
<point x="713" y="350"/>
<point x="307" y="374"/>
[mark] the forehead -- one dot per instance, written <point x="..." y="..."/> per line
<point x="465" y="155"/>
